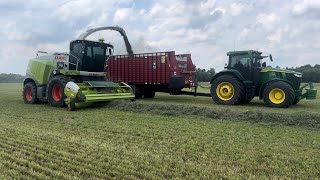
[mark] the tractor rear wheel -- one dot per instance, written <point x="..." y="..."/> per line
<point x="55" y="91"/>
<point x="227" y="90"/>
<point x="278" y="94"/>
<point x="30" y="93"/>
<point x="296" y="100"/>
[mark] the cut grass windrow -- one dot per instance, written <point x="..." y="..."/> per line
<point x="301" y="118"/>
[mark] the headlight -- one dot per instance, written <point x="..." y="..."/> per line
<point x="298" y="75"/>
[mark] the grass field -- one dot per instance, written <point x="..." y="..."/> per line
<point x="180" y="137"/>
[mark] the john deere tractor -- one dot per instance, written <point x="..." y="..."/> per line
<point x="247" y="76"/>
<point x="73" y="78"/>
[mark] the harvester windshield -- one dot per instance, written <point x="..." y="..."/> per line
<point x="89" y="55"/>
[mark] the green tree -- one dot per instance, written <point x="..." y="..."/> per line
<point x="11" y="78"/>
<point x="205" y="75"/>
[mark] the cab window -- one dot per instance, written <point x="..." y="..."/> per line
<point x="240" y="61"/>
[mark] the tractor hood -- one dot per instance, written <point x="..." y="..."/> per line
<point x="270" y="69"/>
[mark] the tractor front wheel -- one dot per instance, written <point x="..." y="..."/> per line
<point x="55" y="91"/>
<point x="227" y="90"/>
<point x="278" y="94"/>
<point x="30" y="93"/>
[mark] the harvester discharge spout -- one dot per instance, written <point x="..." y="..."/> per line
<point x="84" y="35"/>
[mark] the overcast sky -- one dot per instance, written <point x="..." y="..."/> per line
<point x="207" y="29"/>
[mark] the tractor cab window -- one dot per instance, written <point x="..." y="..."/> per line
<point x="240" y="62"/>
<point x="257" y="62"/>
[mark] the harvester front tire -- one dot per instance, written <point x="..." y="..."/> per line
<point x="278" y="95"/>
<point x="55" y="91"/>
<point x="30" y="93"/>
<point x="227" y="90"/>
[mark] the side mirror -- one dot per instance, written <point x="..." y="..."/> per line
<point x="264" y="64"/>
<point x="270" y="56"/>
<point x="225" y="66"/>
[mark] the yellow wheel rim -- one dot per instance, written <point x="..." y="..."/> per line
<point x="225" y="91"/>
<point x="277" y="96"/>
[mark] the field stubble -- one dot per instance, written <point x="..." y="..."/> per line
<point x="153" y="139"/>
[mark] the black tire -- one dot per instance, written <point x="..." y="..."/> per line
<point x="245" y="101"/>
<point x="288" y="98"/>
<point x="57" y="82"/>
<point x="238" y="89"/>
<point x="149" y="94"/>
<point x="29" y="93"/>
<point x="296" y="101"/>
<point x="137" y="92"/>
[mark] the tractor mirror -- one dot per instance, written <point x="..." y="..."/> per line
<point x="270" y="56"/>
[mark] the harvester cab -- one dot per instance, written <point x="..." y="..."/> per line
<point x="89" y="55"/>
<point x="73" y="78"/>
<point x="247" y="76"/>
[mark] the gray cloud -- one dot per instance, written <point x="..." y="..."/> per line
<point x="206" y="28"/>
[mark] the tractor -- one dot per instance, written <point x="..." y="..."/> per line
<point x="246" y="76"/>
<point x="74" y="78"/>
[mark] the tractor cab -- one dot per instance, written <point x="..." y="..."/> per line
<point x="248" y="63"/>
<point x="89" y="55"/>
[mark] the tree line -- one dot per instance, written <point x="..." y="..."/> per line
<point x="309" y="73"/>
<point x="11" y="78"/>
<point x="203" y="75"/>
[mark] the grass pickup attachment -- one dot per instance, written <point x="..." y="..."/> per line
<point x="95" y="91"/>
<point x="310" y="92"/>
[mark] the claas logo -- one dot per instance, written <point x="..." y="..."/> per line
<point x="60" y="58"/>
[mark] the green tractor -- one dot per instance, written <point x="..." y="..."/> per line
<point x="246" y="77"/>
<point x="74" y="78"/>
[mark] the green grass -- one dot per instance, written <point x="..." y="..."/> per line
<point x="40" y="142"/>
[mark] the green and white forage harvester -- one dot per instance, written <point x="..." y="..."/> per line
<point x="246" y="76"/>
<point x="74" y="78"/>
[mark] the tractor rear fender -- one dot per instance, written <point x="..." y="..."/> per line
<point x="271" y="81"/>
<point x="231" y="72"/>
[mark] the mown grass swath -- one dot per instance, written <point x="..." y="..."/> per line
<point x="41" y="142"/>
